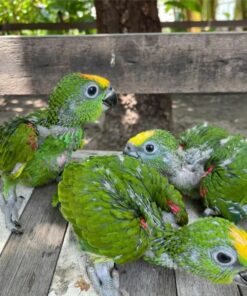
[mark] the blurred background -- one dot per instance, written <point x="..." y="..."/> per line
<point x="134" y="112"/>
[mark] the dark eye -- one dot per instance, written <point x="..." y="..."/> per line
<point x="225" y="257"/>
<point x="149" y="147"/>
<point x="92" y="91"/>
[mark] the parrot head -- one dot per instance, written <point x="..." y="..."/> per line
<point x="80" y="98"/>
<point x="157" y="148"/>
<point x="215" y="249"/>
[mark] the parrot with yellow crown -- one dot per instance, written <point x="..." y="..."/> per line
<point x="205" y="162"/>
<point x="35" y="148"/>
<point x="118" y="208"/>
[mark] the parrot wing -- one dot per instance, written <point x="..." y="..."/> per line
<point x="225" y="188"/>
<point x="201" y="135"/>
<point x="164" y="195"/>
<point x="110" y="210"/>
<point x="18" y="143"/>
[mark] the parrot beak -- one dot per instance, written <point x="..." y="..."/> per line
<point x="130" y="150"/>
<point x="241" y="278"/>
<point x="110" y="99"/>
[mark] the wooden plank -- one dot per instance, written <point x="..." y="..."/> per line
<point x="70" y="270"/>
<point x="188" y="285"/>
<point x="79" y="155"/>
<point x="243" y="291"/>
<point x="48" y="26"/>
<point x="140" y="278"/>
<point x="28" y="261"/>
<point x="203" y="24"/>
<point x="138" y="63"/>
<point x="92" y="25"/>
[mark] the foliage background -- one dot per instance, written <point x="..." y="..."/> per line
<point x="57" y="11"/>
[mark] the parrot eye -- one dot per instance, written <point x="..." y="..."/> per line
<point x="225" y="257"/>
<point x="149" y="147"/>
<point x="92" y="91"/>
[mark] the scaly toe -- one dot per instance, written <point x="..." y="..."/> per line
<point x="17" y="223"/>
<point x="17" y="231"/>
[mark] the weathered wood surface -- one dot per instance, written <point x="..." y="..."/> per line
<point x="138" y="63"/>
<point x="140" y="278"/>
<point x="188" y="285"/>
<point x="28" y="261"/>
<point x="243" y="291"/>
<point x="79" y="155"/>
<point x="70" y="270"/>
<point x="92" y="25"/>
<point x="43" y="262"/>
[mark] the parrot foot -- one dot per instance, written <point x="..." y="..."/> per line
<point x="13" y="226"/>
<point x="12" y="217"/>
<point x="105" y="279"/>
<point x="17" y="231"/>
<point x="17" y="223"/>
<point x="209" y="212"/>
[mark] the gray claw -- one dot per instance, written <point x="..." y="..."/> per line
<point x="17" y="223"/>
<point x="209" y="212"/>
<point x="17" y="231"/>
<point x="105" y="279"/>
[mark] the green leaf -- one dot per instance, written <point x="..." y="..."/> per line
<point x="193" y="5"/>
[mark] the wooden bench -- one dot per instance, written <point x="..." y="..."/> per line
<point x="45" y="259"/>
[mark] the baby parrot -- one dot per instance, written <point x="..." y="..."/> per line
<point x="204" y="162"/>
<point x="35" y="148"/>
<point x="115" y="205"/>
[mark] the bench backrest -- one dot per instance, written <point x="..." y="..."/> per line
<point x="135" y="63"/>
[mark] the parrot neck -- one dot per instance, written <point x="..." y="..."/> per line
<point x="185" y="176"/>
<point x="72" y="137"/>
<point x="163" y="250"/>
<point x="62" y="119"/>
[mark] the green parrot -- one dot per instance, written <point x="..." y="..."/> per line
<point x="116" y="207"/>
<point x="35" y="148"/>
<point x="204" y="162"/>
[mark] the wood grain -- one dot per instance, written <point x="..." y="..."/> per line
<point x="189" y="285"/>
<point x="134" y="63"/>
<point x="28" y="261"/>
<point x="243" y="291"/>
<point x="71" y="270"/>
<point x="140" y="278"/>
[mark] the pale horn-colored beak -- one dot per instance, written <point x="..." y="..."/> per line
<point x="241" y="278"/>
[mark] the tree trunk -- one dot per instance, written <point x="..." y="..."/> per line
<point x="122" y="16"/>
<point x="134" y="113"/>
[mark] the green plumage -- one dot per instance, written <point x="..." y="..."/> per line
<point x="115" y="205"/>
<point x="107" y="198"/>
<point x="35" y="148"/>
<point x="225" y="188"/>
<point x="207" y="163"/>
<point x="202" y="135"/>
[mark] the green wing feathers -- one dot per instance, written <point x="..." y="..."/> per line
<point x="202" y="134"/>
<point x="18" y="143"/>
<point x="97" y="206"/>
<point x="225" y="189"/>
<point x="112" y="205"/>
